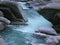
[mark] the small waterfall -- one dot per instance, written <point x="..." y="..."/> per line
<point x="35" y="21"/>
<point x="23" y="34"/>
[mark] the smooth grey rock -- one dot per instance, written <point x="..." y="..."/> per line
<point x="55" y="0"/>
<point x="1" y="26"/>
<point x="5" y="20"/>
<point x="57" y="37"/>
<point x="37" y="4"/>
<point x="42" y="34"/>
<point x="55" y="5"/>
<point x="2" y="42"/>
<point x="47" y="30"/>
<point x="3" y="23"/>
<point x="51" y="40"/>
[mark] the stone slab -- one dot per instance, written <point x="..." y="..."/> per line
<point x="2" y="42"/>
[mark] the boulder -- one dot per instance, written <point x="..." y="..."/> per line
<point x="37" y="4"/>
<point x="2" y="41"/>
<point x="5" y="20"/>
<point x="54" y="5"/>
<point x="52" y="40"/>
<point x="47" y="30"/>
<point x="13" y="11"/>
<point x="55" y="0"/>
<point x="2" y="26"/>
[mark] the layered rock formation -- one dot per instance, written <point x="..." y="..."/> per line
<point x="53" y="40"/>
<point x="36" y="4"/>
<point x="3" y="21"/>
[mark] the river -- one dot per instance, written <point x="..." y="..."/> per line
<point x="23" y="34"/>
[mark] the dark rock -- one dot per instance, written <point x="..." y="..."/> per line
<point x="13" y="11"/>
<point x="1" y="14"/>
<point x="53" y="15"/>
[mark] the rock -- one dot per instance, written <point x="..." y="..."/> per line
<point x="55" y="0"/>
<point x="58" y="14"/>
<point x="41" y="35"/>
<point x="5" y="20"/>
<point x="58" y="37"/>
<point x="51" y="40"/>
<point x="37" y="4"/>
<point x="47" y="30"/>
<point x="1" y="26"/>
<point x="56" y="19"/>
<point x="54" y="5"/>
<point x="1" y="14"/>
<point x="2" y="42"/>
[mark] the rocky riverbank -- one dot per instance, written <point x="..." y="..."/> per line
<point x="3" y="21"/>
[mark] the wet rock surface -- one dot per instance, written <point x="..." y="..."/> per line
<point x="37" y="4"/>
<point x="1" y="26"/>
<point x="47" y="30"/>
<point x="3" y="21"/>
<point x="2" y="42"/>
<point x="49" y="39"/>
<point x="55" y="5"/>
<point x="52" y="40"/>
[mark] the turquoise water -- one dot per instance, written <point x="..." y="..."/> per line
<point x="35" y="21"/>
<point x="23" y="34"/>
<point x="12" y="37"/>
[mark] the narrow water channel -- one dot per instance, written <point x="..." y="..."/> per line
<point x="23" y="34"/>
